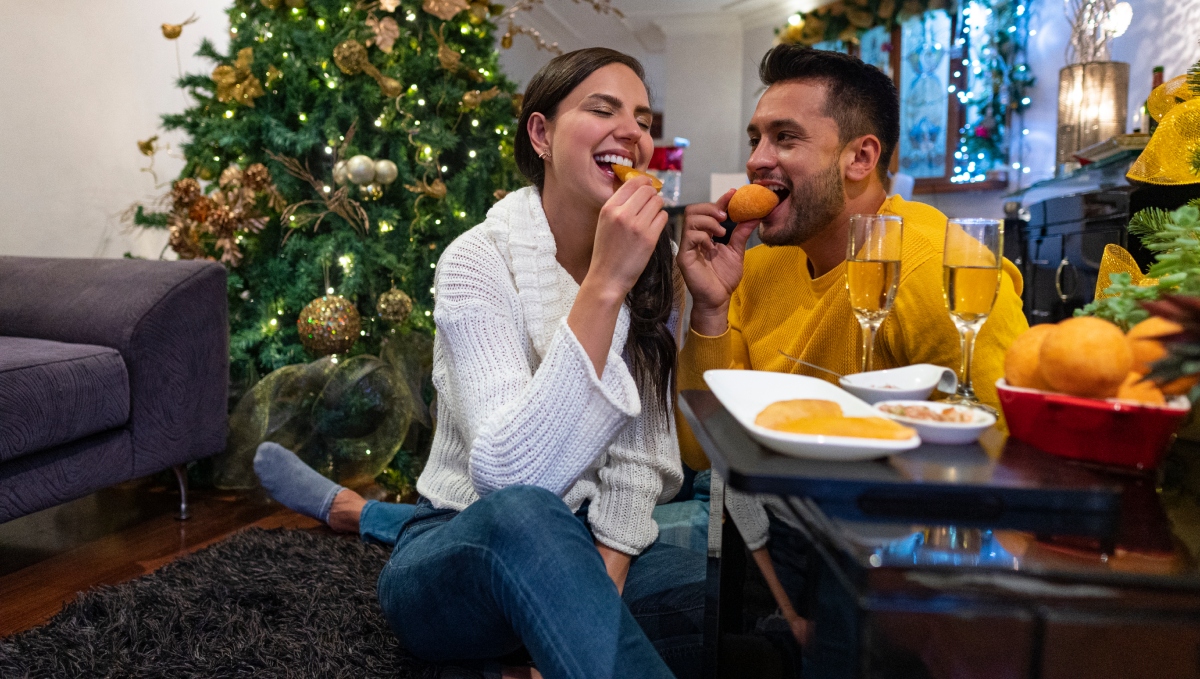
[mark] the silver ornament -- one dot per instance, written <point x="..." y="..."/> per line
<point x="386" y="171"/>
<point x="340" y="174"/>
<point x="360" y="170"/>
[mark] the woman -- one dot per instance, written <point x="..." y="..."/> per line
<point x="553" y="361"/>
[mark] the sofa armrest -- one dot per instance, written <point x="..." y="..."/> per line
<point x="169" y="321"/>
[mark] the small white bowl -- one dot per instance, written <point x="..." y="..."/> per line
<point x="945" y="433"/>
<point x="912" y="382"/>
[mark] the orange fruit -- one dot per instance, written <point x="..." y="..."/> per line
<point x="1141" y="390"/>
<point x="1021" y="367"/>
<point x="1143" y="339"/>
<point x="1147" y="349"/>
<point x="1085" y="356"/>
<point x="752" y="201"/>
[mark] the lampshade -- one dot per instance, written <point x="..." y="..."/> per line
<point x="1092" y="102"/>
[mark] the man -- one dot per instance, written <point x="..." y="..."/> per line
<point x="822" y="136"/>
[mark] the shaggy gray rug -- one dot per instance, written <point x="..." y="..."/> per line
<point x="277" y="603"/>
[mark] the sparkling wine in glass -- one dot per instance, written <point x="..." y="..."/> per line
<point x="873" y="273"/>
<point x="970" y="282"/>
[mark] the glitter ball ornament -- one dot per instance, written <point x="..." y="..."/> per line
<point x="360" y="170"/>
<point x="371" y="191"/>
<point x="386" y="171"/>
<point x="394" y="306"/>
<point x="328" y="325"/>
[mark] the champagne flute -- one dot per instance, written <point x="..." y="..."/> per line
<point x="873" y="273"/>
<point x="971" y="281"/>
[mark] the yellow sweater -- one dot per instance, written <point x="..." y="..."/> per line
<point x="779" y="306"/>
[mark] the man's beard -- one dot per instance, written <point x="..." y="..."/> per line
<point x="815" y="204"/>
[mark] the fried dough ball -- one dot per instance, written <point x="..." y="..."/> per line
<point x="1085" y="356"/>
<point x="1135" y="388"/>
<point x="1147" y="349"/>
<point x="1021" y="365"/>
<point x="784" y="411"/>
<point x="752" y="201"/>
<point x="625" y="173"/>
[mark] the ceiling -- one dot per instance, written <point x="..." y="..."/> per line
<point x="574" y="24"/>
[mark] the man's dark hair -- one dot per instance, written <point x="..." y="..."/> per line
<point x="861" y="98"/>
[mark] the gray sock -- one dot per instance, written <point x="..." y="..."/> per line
<point x="293" y="483"/>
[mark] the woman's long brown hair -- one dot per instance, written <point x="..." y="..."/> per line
<point x="650" y="346"/>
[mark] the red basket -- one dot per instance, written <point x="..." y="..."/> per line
<point x="1109" y="432"/>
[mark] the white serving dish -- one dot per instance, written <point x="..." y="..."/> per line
<point x="745" y="393"/>
<point x="945" y="433"/>
<point x="912" y="382"/>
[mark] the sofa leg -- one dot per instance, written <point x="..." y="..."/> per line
<point x="181" y="477"/>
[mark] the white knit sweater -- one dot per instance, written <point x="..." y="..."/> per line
<point x="519" y="402"/>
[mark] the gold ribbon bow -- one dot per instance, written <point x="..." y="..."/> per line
<point x="351" y="58"/>
<point x="1117" y="259"/>
<point x="236" y="82"/>
<point x="1171" y="156"/>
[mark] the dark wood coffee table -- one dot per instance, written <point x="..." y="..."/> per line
<point x="995" y="560"/>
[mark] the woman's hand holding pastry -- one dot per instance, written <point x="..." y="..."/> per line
<point x="630" y="224"/>
<point x="711" y="270"/>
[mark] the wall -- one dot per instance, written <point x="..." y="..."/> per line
<point x="83" y="81"/>
<point x="1162" y="33"/>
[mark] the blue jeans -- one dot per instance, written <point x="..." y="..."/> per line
<point x="518" y="569"/>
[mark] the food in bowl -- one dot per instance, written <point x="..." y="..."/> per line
<point x="824" y="418"/>
<point x="1091" y="358"/>
<point x="1085" y="356"/>
<point x="937" y="414"/>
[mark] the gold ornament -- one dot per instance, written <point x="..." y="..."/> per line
<point x="479" y="13"/>
<point x="204" y="172"/>
<point x="435" y="190"/>
<point x="146" y="146"/>
<point x="372" y="191"/>
<point x="296" y="4"/>
<point x="351" y="58"/>
<point x="506" y="41"/>
<point x="1167" y="159"/>
<point x="185" y="192"/>
<point x="173" y="31"/>
<point x="328" y="325"/>
<point x="236" y="82"/>
<point x="445" y="9"/>
<point x="474" y="98"/>
<point x="448" y="58"/>
<point x="385" y="171"/>
<point x="273" y="74"/>
<point x="386" y="31"/>
<point x="389" y="5"/>
<point x="271" y="4"/>
<point x="394" y="306"/>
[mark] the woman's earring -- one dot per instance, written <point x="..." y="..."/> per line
<point x="545" y="155"/>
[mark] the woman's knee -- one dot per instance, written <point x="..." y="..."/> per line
<point x="525" y="515"/>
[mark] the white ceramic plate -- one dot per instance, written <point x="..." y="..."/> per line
<point x="912" y="382"/>
<point x="745" y="393"/>
<point x="946" y="433"/>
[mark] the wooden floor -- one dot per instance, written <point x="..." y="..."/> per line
<point x="117" y="534"/>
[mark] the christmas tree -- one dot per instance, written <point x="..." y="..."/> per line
<point x="331" y="156"/>
<point x="336" y="150"/>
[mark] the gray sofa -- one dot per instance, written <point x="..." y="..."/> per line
<point x="110" y="370"/>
